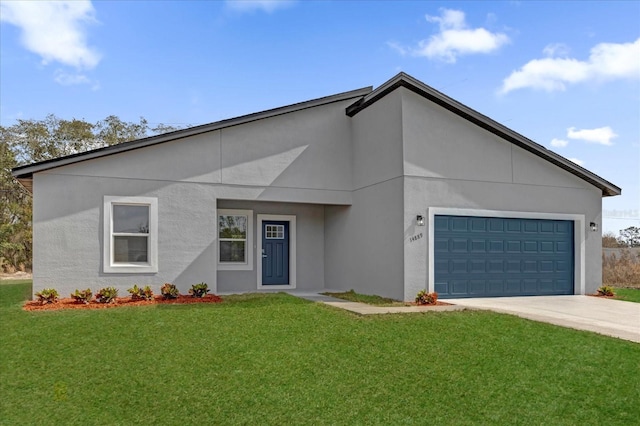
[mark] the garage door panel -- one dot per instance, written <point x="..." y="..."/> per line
<point x="561" y="285"/>
<point x="496" y="246"/>
<point x="546" y="246"/>
<point x="562" y="266"/>
<point x="478" y="246"/>
<point x="502" y="257"/>
<point x="546" y="286"/>
<point x="477" y="287"/>
<point x="564" y="227"/>
<point x="514" y="266"/>
<point x="458" y="266"/>
<point x="458" y="245"/>
<point x="495" y="286"/>
<point x="442" y="287"/>
<point x="514" y="246"/>
<point x="477" y="265"/>
<point x="459" y="224"/>
<point x="547" y="227"/>
<point x="513" y="286"/>
<point x="478" y="225"/>
<point x="459" y="286"/>
<point x="441" y="244"/>
<point x="496" y="225"/>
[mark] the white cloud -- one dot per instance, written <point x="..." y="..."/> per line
<point x="556" y="49"/>
<point x="264" y="5"/>
<point x="606" y="61"/>
<point x="398" y="48"/>
<point x="601" y="135"/>
<point x="72" y="79"/>
<point x="559" y="143"/>
<point x="54" y="30"/>
<point x="454" y="39"/>
<point x="578" y="162"/>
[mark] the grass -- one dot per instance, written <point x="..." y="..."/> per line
<point x="352" y="296"/>
<point x="622" y="270"/>
<point x="276" y="359"/>
<point x="628" y="294"/>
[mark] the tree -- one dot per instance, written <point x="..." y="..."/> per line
<point x="610" y="240"/>
<point x="15" y="216"/>
<point x="30" y="141"/>
<point x="630" y="237"/>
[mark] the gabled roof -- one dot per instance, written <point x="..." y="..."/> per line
<point x="25" y="173"/>
<point x="366" y="96"/>
<point x="416" y="86"/>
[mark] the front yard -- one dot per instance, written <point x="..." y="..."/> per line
<point x="276" y="359"/>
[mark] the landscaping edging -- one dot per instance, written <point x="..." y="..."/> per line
<point x="69" y="303"/>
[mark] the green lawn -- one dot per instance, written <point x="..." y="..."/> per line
<point x="352" y="296"/>
<point x="628" y="294"/>
<point x="276" y="359"/>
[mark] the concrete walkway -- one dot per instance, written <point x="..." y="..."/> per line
<point x="605" y="316"/>
<point x="364" y="309"/>
<point x="610" y="317"/>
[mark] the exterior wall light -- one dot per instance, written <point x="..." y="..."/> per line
<point x="420" y="220"/>
<point x="593" y="226"/>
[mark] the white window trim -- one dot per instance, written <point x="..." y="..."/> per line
<point x="579" y="237"/>
<point x="292" y="250"/>
<point x="109" y="266"/>
<point x="236" y="266"/>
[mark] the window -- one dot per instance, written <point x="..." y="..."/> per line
<point x="130" y="234"/>
<point x="235" y="236"/>
<point x="274" y="232"/>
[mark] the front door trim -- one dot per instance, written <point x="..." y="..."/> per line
<point x="292" y="250"/>
<point x="578" y="236"/>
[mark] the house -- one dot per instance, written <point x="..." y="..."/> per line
<point x="386" y="191"/>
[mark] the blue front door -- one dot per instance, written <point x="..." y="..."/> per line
<point x="275" y="253"/>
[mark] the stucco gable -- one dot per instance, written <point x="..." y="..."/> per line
<point x="480" y="120"/>
<point x="25" y="173"/>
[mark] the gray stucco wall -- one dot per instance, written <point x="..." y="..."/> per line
<point x="364" y="241"/>
<point x="299" y="157"/>
<point x="452" y="163"/>
<point x="68" y="233"/>
<point x="309" y="243"/>
<point x="354" y="184"/>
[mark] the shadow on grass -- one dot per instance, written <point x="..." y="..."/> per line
<point x="13" y="292"/>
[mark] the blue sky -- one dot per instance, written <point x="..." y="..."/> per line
<point x="565" y="74"/>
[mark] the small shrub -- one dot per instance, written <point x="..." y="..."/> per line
<point x="426" y="298"/>
<point x="82" y="296"/>
<point x="140" y="293"/>
<point x="169" y="291"/>
<point x="199" y="290"/>
<point x="107" y="295"/>
<point x="606" y="290"/>
<point x="47" y="295"/>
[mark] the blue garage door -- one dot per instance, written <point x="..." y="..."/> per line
<point x="492" y="256"/>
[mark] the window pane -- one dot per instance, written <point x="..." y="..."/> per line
<point x="233" y="227"/>
<point x="131" y="219"/>
<point x="232" y="251"/>
<point x="274" y="232"/>
<point x="130" y="249"/>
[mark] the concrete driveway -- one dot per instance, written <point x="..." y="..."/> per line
<point x="605" y="316"/>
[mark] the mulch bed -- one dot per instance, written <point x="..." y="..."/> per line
<point x="438" y="303"/>
<point x="34" y="305"/>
